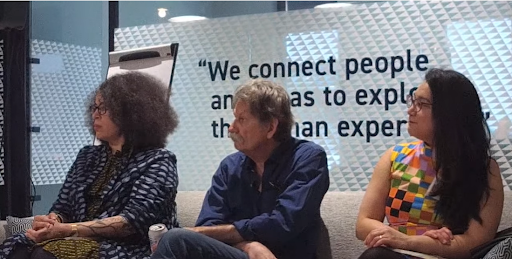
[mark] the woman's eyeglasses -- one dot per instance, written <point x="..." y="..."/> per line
<point x="417" y="103"/>
<point x="101" y="109"/>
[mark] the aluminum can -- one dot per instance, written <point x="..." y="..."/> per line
<point x="155" y="233"/>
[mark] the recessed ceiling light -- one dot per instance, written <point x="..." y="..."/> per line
<point x="333" y="5"/>
<point x="162" y="12"/>
<point x="187" y="18"/>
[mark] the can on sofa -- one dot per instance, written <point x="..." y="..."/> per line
<point x="155" y="233"/>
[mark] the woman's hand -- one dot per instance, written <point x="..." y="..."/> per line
<point x="386" y="236"/>
<point x="57" y="230"/>
<point x="44" y="221"/>
<point x="444" y="235"/>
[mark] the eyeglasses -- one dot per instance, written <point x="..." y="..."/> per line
<point x="101" y="109"/>
<point x="418" y="104"/>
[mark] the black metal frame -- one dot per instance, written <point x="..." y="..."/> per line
<point x="113" y="22"/>
<point x="281" y="6"/>
<point x="15" y="193"/>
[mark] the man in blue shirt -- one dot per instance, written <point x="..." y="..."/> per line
<point x="264" y="201"/>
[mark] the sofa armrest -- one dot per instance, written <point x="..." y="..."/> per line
<point x="3" y="230"/>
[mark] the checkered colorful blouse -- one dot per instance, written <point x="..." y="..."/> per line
<point x="408" y="208"/>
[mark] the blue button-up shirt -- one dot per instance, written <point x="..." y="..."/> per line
<point x="285" y="215"/>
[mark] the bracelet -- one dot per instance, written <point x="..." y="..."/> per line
<point x="74" y="228"/>
<point x="59" y="218"/>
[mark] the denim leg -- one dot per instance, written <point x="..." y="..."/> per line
<point x="180" y="243"/>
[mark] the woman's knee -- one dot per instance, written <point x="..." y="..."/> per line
<point x="20" y="252"/>
<point x="380" y="253"/>
<point x="40" y="253"/>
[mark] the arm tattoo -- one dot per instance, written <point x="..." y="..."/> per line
<point x="108" y="227"/>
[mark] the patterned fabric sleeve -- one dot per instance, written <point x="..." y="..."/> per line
<point x="151" y="192"/>
<point x="62" y="205"/>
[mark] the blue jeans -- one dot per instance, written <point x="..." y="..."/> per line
<point x="180" y="243"/>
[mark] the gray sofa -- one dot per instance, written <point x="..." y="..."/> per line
<point x="339" y="212"/>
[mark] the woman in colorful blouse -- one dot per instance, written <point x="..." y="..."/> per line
<point x="113" y="191"/>
<point x="441" y="195"/>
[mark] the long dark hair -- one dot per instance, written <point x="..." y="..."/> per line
<point x="138" y="105"/>
<point x="462" y="148"/>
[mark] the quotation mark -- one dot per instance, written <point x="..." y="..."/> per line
<point x="202" y="63"/>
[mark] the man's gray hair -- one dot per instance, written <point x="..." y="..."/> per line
<point x="267" y="100"/>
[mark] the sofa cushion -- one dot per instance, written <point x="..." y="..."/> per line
<point x="503" y="250"/>
<point x="189" y="205"/>
<point x="339" y="212"/>
<point x="3" y="230"/>
<point x="17" y="225"/>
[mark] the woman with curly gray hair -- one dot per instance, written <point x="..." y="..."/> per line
<point x="116" y="190"/>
